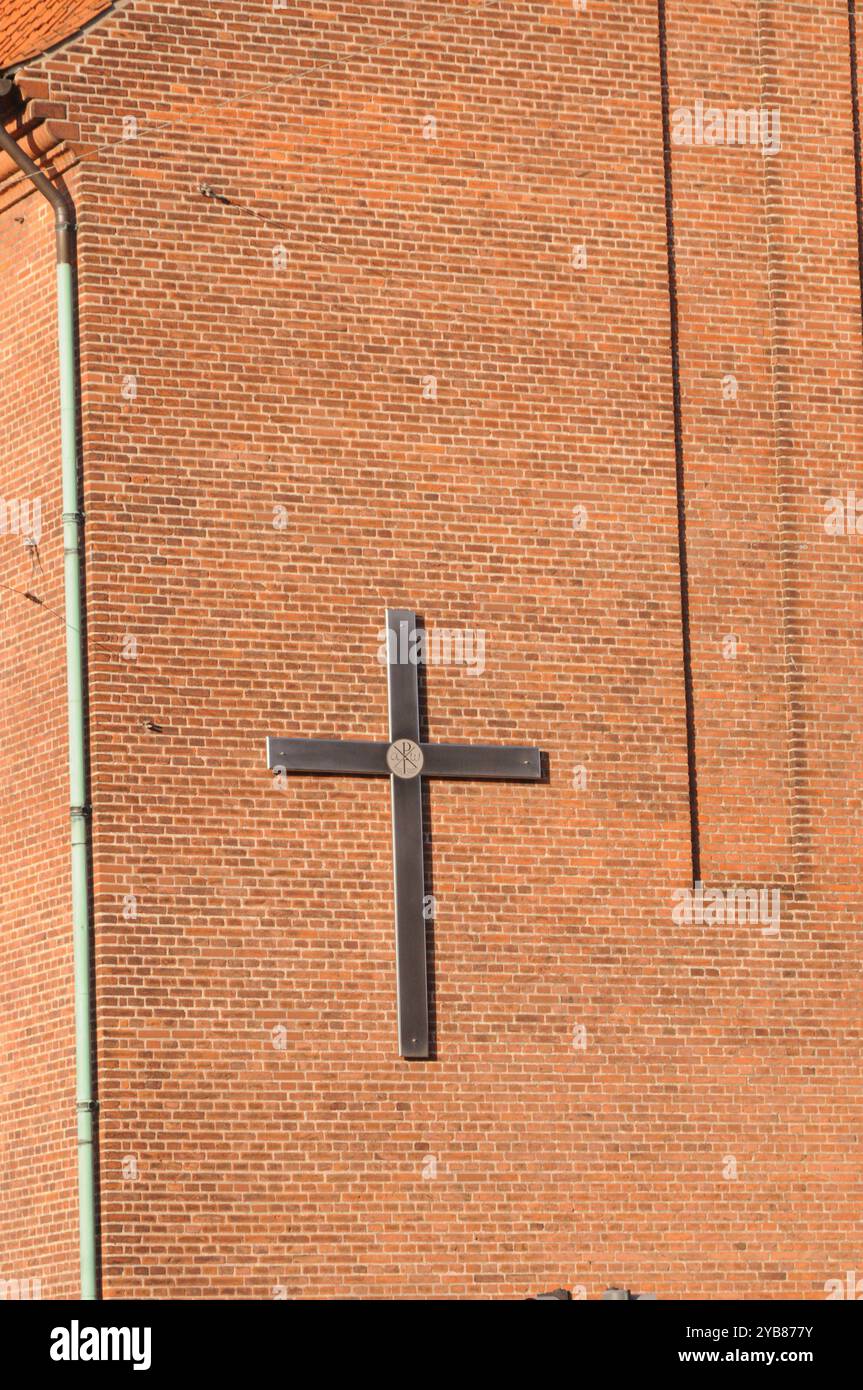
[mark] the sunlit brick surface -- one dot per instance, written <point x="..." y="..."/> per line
<point x="398" y="193"/>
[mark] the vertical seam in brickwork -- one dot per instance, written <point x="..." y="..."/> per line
<point x="780" y="388"/>
<point x="678" y="450"/>
<point x="858" y="151"/>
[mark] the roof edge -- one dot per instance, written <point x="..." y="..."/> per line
<point x="111" y="9"/>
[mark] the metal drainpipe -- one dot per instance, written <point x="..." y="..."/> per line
<point x="64" y="217"/>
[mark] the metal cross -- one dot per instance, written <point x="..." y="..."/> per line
<point x="406" y="761"/>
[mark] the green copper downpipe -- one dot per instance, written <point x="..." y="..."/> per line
<point x="64" y="219"/>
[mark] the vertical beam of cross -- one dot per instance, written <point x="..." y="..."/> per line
<point x="407" y="817"/>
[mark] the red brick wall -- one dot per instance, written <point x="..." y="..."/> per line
<point x="231" y="1167"/>
<point x="38" y="1222"/>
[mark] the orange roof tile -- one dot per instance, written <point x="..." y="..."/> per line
<point x="28" y="27"/>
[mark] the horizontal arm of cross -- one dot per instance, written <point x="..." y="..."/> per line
<point x="481" y="761"/>
<point x="351" y="758"/>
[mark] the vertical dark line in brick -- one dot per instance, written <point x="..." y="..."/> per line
<point x="858" y="148"/>
<point x="786" y="472"/>
<point x="678" y="451"/>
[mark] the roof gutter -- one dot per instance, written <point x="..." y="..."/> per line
<point x="64" y="221"/>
